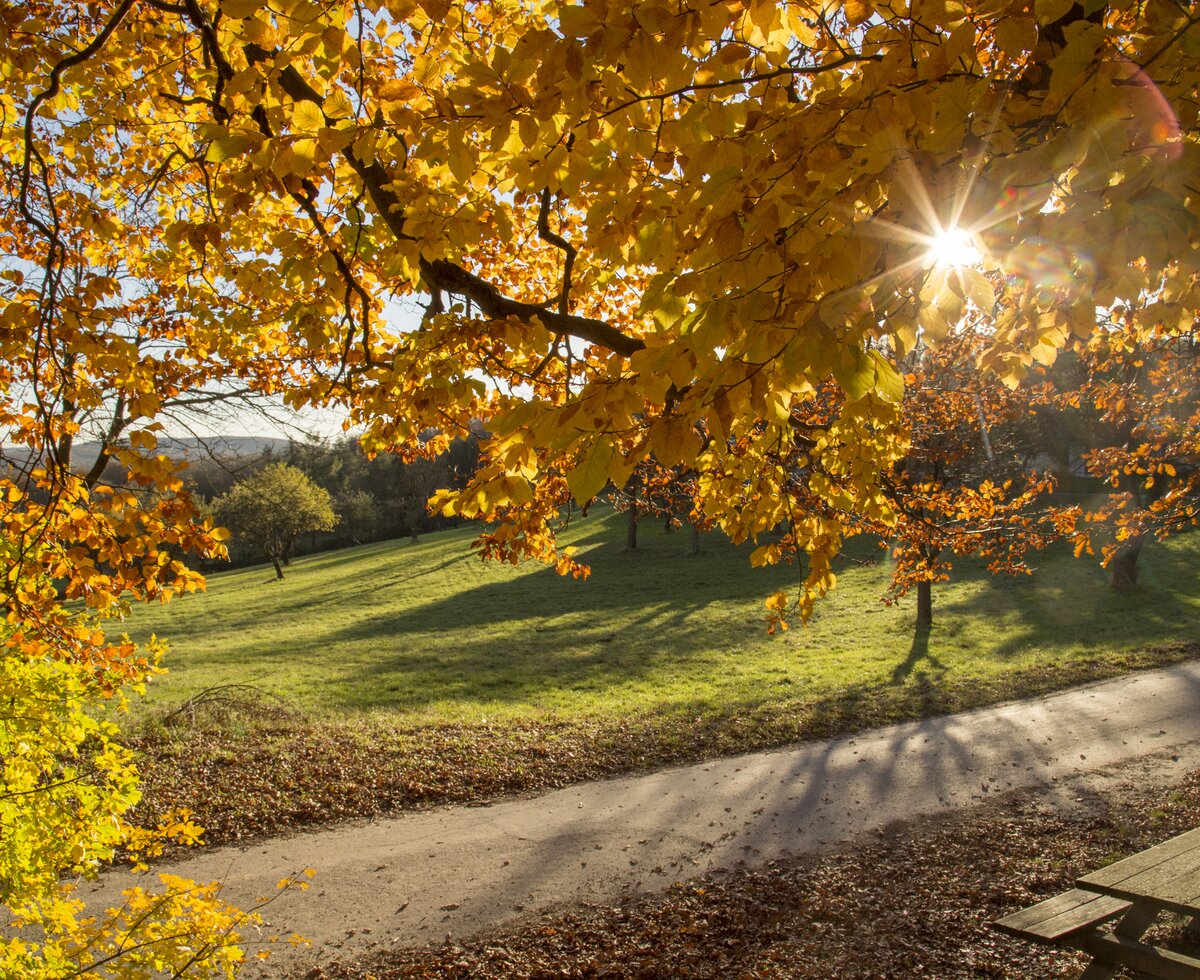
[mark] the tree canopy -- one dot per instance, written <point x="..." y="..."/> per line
<point x="638" y="229"/>
<point x="272" y="507"/>
<point x="644" y="227"/>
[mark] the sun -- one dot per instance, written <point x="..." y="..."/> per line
<point x="953" y="248"/>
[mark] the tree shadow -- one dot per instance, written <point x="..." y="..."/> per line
<point x="434" y="628"/>
<point x="428" y="630"/>
<point x="520" y="639"/>
<point x="1070" y="599"/>
<point x="918" y="652"/>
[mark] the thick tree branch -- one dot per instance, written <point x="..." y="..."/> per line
<point x="441" y="274"/>
<point x="452" y="278"/>
<point x="119" y="421"/>
<point x="568" y="250"/>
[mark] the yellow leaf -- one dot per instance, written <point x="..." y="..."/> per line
<point x="889" y="384"/>
<point x="590" y="474"/>
<point x="1016" y="35"/>
<point x="857" y="11"/>
<point x="399" y="90"/>
<point x="338" y="105"/>
<point x="977" y="289"/>
<point x="766" y="554"/>
<point x="141" y="439"/>
<point x="307" y="118"/>
<point x="933" y="323"/>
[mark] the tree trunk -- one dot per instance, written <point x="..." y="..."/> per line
<point x="631" y="529"/>
<point x="668" y="523"/>
<point x="695" y="538"/>
<point x="924" y="604"/>
<point x="1125" y="563"/>
<point x="278" y="567"/>
<point x="414" y="533"/>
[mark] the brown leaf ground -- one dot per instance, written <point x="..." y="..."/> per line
<point x="913" y="901"/>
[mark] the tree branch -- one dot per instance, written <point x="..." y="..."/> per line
<point x="453" y="278"/>
<point x="441" y="274"/>
<point x="569" y="252"/>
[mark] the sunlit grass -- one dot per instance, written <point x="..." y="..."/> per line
<point x="427" y="631"/>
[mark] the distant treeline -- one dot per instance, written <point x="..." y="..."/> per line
<point x="374" y="499"/>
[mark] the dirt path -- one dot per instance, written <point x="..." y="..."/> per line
<point x="417" y="877"/>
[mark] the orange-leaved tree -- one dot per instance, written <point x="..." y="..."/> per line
<point x="1141" y="391"/>
<point x="966" y="485"/>
<point x="653" y="228"/>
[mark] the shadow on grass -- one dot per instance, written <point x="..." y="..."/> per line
<point x="400" y="627"/>
<point x="405" y="628"/>
<point x="519" y="639"/>
<point x="918" y="652"/>
<point x="1072" y="598"/>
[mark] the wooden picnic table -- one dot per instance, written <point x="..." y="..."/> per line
<point x="1164" y="878"/>
<point x="1134" y="892"/>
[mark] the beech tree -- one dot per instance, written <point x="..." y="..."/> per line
<point x="638" y="228"/>
<point x="965" y="486"/>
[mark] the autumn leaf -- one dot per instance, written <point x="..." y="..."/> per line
<point x="591" y="474"/>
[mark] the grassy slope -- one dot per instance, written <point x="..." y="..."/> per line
<point x="426" y="677"/>
<point x="428" y="632"/>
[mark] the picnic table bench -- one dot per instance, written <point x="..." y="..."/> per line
<point x="1164" y="878"/>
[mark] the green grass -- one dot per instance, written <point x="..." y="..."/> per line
<point x="424" y="676"/>
<point x="426" y="632"/>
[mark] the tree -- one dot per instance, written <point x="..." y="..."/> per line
<point x="655" y="228"/>
<point x="1143" y="392"/>
<point x="666" y="492"/>
<point x="272" y="508"/>
<point x="965" y="486"/>
<point x="358" y="514"/>
<point x="415" y="482"/>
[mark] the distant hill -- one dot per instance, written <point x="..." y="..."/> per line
<point x="217" y="447"/>
<point x="213" y="462"/>
<point x="191" y="448"/>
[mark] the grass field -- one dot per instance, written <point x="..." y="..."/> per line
<point x="428" y="632"/>
<point x="418" y="675"/>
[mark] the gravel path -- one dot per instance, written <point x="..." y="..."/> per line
<point x="458" y="870"/>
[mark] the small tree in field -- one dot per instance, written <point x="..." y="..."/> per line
<point x="273" y="507"/>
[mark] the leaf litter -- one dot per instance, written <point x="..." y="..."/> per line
<point x="913" y="900"/>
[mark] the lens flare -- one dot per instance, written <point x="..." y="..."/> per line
<point x="953" y="248"/>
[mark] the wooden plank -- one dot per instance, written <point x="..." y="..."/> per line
<point x="1173" y="869"/>
<point x="1180" y="894"/>
<point x="1143" y="861"/>
<point x="1141" y="957"/>
<point x="1172" y="884"/>
<point x="1031" y="916"/>
<point x="1061" y="916"/>
<point x="1086" y="916"/>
